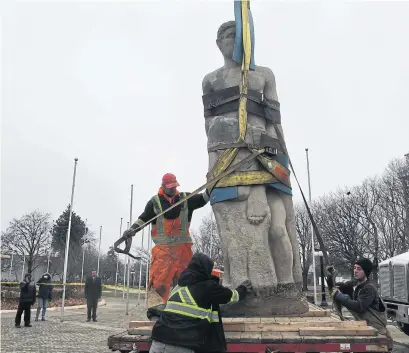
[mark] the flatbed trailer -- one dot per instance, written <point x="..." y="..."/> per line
<point x="317" y="330"/>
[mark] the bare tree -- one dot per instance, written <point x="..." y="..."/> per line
<point x="30" y="236"/>
<point x="393" y="216"/>
<point x="303" y="227"/>
<point x="206" y="239"/>
<point x="343" y="234"/>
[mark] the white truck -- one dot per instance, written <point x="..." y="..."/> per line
<point x="394" y="288"/>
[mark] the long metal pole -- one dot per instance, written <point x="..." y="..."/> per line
<point x="312" y="230"/>
<point x="48" y="260"/>
<point x="99" y="248"/>
<point x="130" y="225"/>
<point x="148" y="261"/>
<point x="24" y="262"/>
<point x="140" y="268"/>
<point x="67" y="245"/>
<point x="11" y="264"/>
<point x="125" y="268"/>
<point x="85" y="240"/>
<point x="83" y="259"/>
<point x="117" y="260"/>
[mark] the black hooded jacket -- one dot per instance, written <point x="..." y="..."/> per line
<point x="194" y="333"/>
<point x="27" y="291"/>
<point x="45" y="288"/>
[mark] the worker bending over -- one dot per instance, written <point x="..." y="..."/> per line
<point x="170" y="233"/>
<point x="191" y="320"/>
<point x="365" y="303"/>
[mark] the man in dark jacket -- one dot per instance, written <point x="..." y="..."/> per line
<point x="365" y="303"/>
<point x="191" y="319"/>
<point x="44" y="295"/>
<point x="92" y="291"/>
<point x="27" y="299"/>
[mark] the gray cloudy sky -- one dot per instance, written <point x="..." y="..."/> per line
<point x="119" y="86"/>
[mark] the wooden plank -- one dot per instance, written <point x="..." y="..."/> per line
<point x="133" y="324"/>
<point x="253" y="320"/>
<point x="291" y="337"/>
<point x="299" y="319"/>
<point x="238" y="319"/>
<point x="283" y="319"/>
<point x="250" y="337"/>
<point x="227" y="319"/>
<point x="295" y="326"/>
<point x="234" y="326"/>
<point x="232" y="337"/>
<point x="270" y="337"/>
<point x="321" y="313"/>
<point x="143" y="330"/>
<point x="336" y="331"/>
<point x="268" y="319"/>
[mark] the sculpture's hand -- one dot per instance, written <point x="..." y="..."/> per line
<point x="248" y="285"/>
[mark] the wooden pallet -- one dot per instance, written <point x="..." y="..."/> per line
<point x="316" y="323"/>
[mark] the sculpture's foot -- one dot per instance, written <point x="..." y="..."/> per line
<point x="287" y="300"/>
<point x="257" y="206"/>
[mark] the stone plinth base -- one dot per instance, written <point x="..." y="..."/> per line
<point x="287" y="300"/>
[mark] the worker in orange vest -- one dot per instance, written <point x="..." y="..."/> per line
<point x="170" y="233"/>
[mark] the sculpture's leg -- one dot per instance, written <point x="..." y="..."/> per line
<point x="228" y="215"/>
<point x="245" y="244"/>
<point x="280" y="244"/>
<point x="257" y="207"/>
<point x="292" y="233"/>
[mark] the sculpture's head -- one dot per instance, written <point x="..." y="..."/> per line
<point x="225" y="38"/>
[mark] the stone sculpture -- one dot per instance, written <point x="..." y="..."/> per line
<point x="253" y="207"/>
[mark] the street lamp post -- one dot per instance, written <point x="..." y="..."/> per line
<point x="140" y="269"/>
<point x="67" y="245"/>
<point x="11" y="264"/>
<point x="117" y="260"/>
<point x="99" y="248"/>
<point x="48" y="260"/>
<point x="130" y="225"/>
<point x="323" y="295"/>
<point x="312" y="230"/>
<point x="125" y="268"/>
<point x="147" y="265"/>
<point x="24" y="262"/>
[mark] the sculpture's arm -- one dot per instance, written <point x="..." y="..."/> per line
<point x="207" y="88"/>
<point x="270" y="94"/>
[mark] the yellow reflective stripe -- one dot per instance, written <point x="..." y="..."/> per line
<point x="215" y="316"/>
<point x="185" y="298"/>
<point x="188" y="310"/>
<point x="169" y="240"/>
<point x="235" y="296"/>
<point x="190" y="296"/>
<point x="139" y="222"/>
<point x="158" y="202"/>
<point x="174" y="291"/>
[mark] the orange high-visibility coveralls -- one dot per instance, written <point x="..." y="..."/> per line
<point x="173" y="245"/>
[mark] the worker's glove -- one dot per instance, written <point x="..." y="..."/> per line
<point x="129" y="233"/>
<point x="247" y="284"/>
<point x="334" y="292"/>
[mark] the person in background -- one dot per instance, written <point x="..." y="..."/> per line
<point x="27" y="299"/>
<point x="365" y="303"/>
<point x="44" y="295"/>
<point x="92" y="292"/>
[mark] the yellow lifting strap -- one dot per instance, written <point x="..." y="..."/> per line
<point x="227" y="157"/>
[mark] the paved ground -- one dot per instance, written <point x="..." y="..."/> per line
<point x="74" y="335"/>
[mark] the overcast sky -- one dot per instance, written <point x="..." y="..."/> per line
<point x="119" y="86"/>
